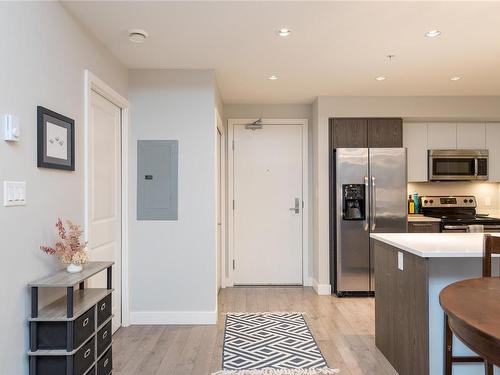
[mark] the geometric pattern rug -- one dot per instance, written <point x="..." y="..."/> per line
<point x="270" y="343"/>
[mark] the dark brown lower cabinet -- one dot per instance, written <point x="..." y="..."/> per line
<point x="424" y="227"/>
<point x="402" y="310"/>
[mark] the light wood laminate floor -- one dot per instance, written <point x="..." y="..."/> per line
<point x="343" y="327"/>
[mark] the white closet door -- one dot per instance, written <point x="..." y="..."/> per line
<point x="105" y="194"/>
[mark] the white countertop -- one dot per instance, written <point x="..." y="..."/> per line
<point x="415" y="218"/>
<point x="436" y="245"/>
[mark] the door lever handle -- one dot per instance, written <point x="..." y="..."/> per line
<point x="296" y="209"/>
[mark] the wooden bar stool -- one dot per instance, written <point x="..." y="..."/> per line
<point x="491" y="246"/>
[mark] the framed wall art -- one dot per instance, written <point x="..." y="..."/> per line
<point x="56" y="140"/>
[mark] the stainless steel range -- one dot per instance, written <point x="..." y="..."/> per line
<point x="457" y="213"/>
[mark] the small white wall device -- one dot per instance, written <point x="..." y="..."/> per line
<point x="12" y="128"/>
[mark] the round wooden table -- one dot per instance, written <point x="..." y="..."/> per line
<point x="473" y="309"/>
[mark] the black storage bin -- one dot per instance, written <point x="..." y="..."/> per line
<point x="54" y="335"/>
<point x="103" y="309"/>
<point x="105" y="364"/>
<point x="75" y="364"/>
<point x="104" y="338"/>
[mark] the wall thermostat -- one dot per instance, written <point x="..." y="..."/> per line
<point x="12" y="128"/>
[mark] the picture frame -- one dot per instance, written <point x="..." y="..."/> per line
<point x="55" y="140"/>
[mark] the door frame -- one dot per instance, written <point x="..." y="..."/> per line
<point x="305" y="191"/>
<point x="219" y="126"/>
<point x="93" y="83"/>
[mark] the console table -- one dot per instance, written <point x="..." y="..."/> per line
<point x="72" y="335"/>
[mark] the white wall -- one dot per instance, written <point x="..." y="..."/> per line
<point x="42" y="63"/>
<point x="442" y="108"/>
<point x="179" y="256"/>
<point x="280" y="111"/>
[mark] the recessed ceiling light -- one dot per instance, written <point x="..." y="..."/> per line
<point x="284" y="31"/>
<point x="137" y="35"/>
<point x="432" y="33"/>
<point x="380" y="78"/>
<point x="456" y="78"/>
<point x="273" y="77"/>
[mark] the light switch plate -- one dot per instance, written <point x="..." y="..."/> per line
<point x="400" y="261"/>
<point x="14" y="193"/>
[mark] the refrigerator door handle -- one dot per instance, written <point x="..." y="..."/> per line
<point x="367" y="204"/>
<point x="373" y="203"/>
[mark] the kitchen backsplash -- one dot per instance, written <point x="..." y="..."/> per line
<point x="486" y="193"/>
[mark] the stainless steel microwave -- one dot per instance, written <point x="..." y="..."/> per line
<point x="458" y="165"/>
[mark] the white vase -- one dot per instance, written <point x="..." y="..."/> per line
<point x="74" y="268"/>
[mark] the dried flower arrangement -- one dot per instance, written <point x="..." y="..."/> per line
<point x="69" y="248"/>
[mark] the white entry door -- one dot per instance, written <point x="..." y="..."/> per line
<point x="267" y="170"/>
<point x="104" y="211"/>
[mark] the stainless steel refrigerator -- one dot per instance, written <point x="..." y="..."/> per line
<point x="368" y="195"/>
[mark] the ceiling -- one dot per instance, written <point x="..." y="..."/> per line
<point x="335" y="48"/>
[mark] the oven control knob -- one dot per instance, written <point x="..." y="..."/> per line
<point x="431" y="201"/>
<point x="471" y="201"/>
<point x="426" y="201"/>
<point x="465" y="200"/>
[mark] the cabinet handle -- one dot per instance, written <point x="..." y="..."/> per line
<point x="85" y="322"/>
<point x="103" y="306"/>
<point x="87" y="353"/>
<point x="106" y="362"/>
<point x="105" y="334"/>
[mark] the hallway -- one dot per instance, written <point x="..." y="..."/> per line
<point x="343" y="328"/>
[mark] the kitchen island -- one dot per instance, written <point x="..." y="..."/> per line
<point x="410" y="271"/>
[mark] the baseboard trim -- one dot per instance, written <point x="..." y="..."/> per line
<point x="321" y="289"/>
<point x="173" y="317"/>
<point x="308" y="281"/>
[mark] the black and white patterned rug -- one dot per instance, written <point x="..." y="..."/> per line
<point x="270" y="343"/>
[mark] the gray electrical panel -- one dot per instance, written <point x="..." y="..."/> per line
<point x="157" y="180"/>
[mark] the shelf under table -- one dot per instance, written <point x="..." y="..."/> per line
<point x="83" y="299"/>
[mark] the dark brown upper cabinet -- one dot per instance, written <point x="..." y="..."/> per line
<point x="366" y="132"/>
<point x="349" y="132"/>
<point x="385" y="132"/>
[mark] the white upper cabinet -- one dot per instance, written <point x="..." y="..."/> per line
<point x="415" y="140"/>
<point x="471" y="135"/>
<point x="441" y="135"/>
<point x="492" y="144"/>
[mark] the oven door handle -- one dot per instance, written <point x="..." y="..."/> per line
<point x="487" y="227"/>
<point x="464" y="227"/>
<point x="476" y="167"/>
<point x="455" y="227"/>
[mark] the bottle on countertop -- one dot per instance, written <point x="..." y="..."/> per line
<point x="411" y="205"/>
<point x="416" y="202"/>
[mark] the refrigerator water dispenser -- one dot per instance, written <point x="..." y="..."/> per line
<point x="353" y="196"/>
